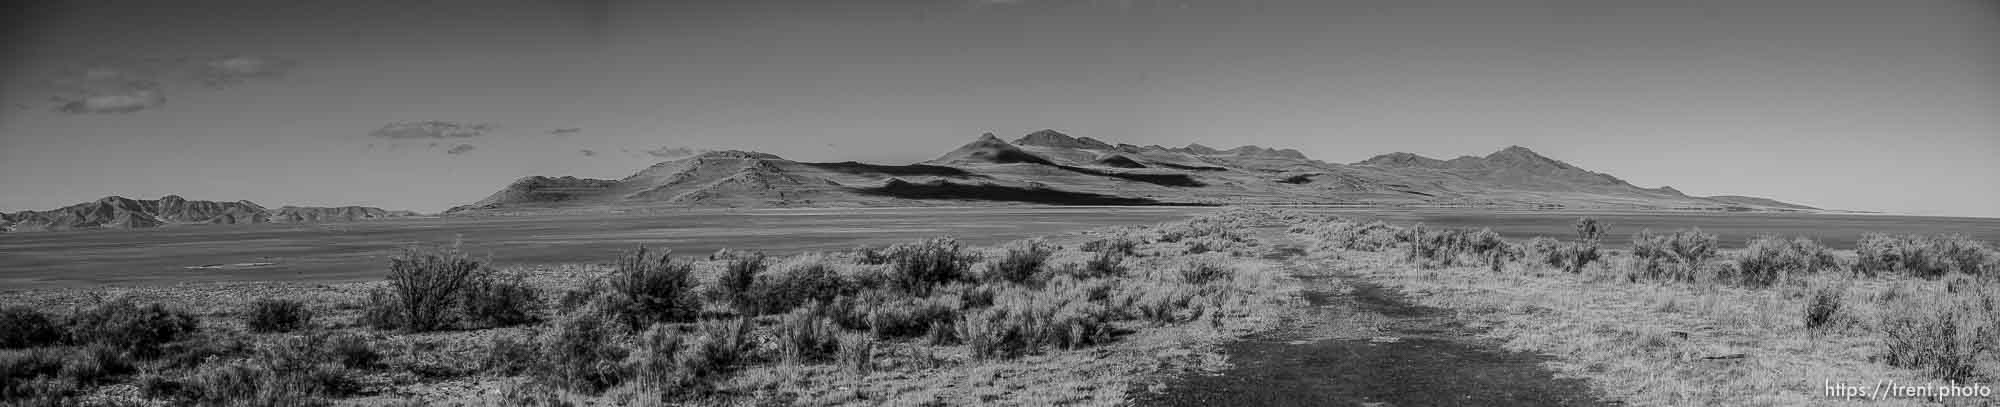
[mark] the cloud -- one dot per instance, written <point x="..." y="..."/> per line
<point x="460" y="149"/>
<point x="122" y="102"/>
<point x="236" y="69"/>
<point x="587" y="153"/>
<point x="106" y="89"/>
<point x="565" y="132"/>
<point x="436" y="130"/>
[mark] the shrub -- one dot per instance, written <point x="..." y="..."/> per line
<point x="1451" y="247"/>
<point x="580" y="355"/>
<point x="925" y="264"/>
<point x="495" y="301"/>
<point x="857" y="353"/>
<point x="1588" y="229"/>
<point x="1022" y="262"/>
<point x="275" y="315"/>
<point x="381" y="310"/>
<point x="722" y="346"/>
<point x="350" y="351"/>
<point x="651" y="288"/>
<point x="739" y="274"/>
<point x="1823" y="306"/>
<point x="1569" y="257"/>
<point x="1944" y="335"/>
<point x="1021" y="321"/>
<point x="803" y="279"/>
<point x="804" y="336"/>
<point x="245" y="382"/>
<point x="873" y="256"/>
<point x="1203" y="271"/>
<point x="95" y="364"/>
<point x="24" y="373"/>
<point x="654" y="364"/>
<point x="1121" y="244"/>
<point x="509" y="356"/>
<point x="1106" y="263"/>
<point x="1677" y="256"/>
<point x="23" y="327"/>
<point x="132" y="328"/>
<point x="1769" y="259"/>
<point x="1925" y="256"/>
<point x="427" y="282"/>
<point x="905" y="317"/>
<point x="1372" y="236"/>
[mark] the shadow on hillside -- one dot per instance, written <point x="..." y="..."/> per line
<point x="859" y="168"/>
<point x="1171" y="180"/>
<point x="987" y="192"/>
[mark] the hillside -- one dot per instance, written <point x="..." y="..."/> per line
<point x="115" y="212"/>
<point x="1049" y="167"/>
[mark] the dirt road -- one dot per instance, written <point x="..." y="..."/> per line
<point x="1364" y="345"/>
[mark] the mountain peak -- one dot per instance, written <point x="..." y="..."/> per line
<point x="1402" y="159"/>
<point x="989" y="150"/>
<point x="1052" y="138"/>
<point x="1514" y="151"/>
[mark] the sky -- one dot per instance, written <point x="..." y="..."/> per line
<point x="1863" y="105"/>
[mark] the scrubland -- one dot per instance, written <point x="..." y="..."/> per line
<point x="1086" y="319"/>
<point x="1676" y="320"/>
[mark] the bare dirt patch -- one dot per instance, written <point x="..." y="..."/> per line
<point x="1362" y="344"/>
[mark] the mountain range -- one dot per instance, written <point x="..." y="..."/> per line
<point x="1049" y="167"/>
<point x="116" y="212"/>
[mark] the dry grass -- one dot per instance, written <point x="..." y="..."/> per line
<point x="869" y="327"/>
<point x="1674" y="337"/>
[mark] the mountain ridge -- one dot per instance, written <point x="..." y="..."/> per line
<point x="1050" y="167"/>
<point x="117" y="212"/>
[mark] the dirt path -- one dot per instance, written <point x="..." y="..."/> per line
<point x="1365" y="345"/>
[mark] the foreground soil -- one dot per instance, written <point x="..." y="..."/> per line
<point x="1363" y="344"/>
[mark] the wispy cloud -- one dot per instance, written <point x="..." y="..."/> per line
<point x="129" y="101"/>
<point x="460" y="149"/>
<point x="232" y="70"/>
<point x="565" y="132"/>
<point x="430" y="130"/>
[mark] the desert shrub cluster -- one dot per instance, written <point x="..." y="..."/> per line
<point x="277" y="315"/>
<point x="1432" y="247"/>
<point x="1925" y="256"/>
<point x="1678" y="256"/>
<point x="1768" y="260"/>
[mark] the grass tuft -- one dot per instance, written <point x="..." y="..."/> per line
<point x="277" y="315"/>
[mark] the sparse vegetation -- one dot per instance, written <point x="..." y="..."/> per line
<point x="1450" y="247"/>
<point x="1680" y="256"/>
<point x="651" y="287"/>
<point x="922" y="265"/>
<point x="1770" y="259"/>
<point x="277" y="315"/>
<point x="426" y="282"/>
<point x="738" y="280"/>
<point x="23" y="327"/>
<point x="125" y="325"/>
<point x="1929" y="257"/>
<point x="1022" y="262"/>
<point x="496" y="301"/>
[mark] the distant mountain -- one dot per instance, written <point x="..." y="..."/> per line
<point x="115" y="212"/>
<point x="1049" y="167"/>
<point x="1751" y="201"/>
